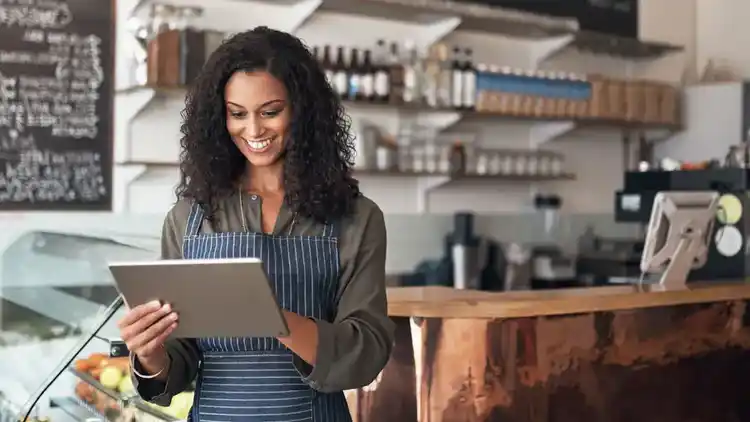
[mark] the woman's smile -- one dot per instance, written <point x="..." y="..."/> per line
<point x="260" y="145"/>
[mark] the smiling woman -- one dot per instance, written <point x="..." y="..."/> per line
<point x="266" y="172"/>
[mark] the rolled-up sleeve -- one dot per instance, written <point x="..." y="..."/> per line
<point x="184" y="354"/>
<point x="354" y="347"/>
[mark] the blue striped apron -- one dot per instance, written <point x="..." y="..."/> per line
<point x="253" y="379"/>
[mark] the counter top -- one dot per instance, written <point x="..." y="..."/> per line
<point x="450" y="303"/>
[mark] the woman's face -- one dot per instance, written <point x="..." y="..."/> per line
<point x="258" y="116"/>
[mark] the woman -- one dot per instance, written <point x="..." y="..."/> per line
<point x="266" y="172"/>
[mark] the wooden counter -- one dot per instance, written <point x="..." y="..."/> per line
<point x="444" y="302"/>
<point x="609" y="354"/>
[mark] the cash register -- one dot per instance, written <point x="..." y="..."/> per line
<point x="607" y="260"/>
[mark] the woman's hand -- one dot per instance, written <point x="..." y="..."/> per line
<point x="144" y="329"/>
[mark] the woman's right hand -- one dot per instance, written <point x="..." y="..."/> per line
<point x="144" y="329"/>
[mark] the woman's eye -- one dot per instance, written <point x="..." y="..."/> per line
<point x="270" y="113"/>
<point x="237" y="114"/>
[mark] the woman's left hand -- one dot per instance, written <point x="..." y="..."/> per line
<point x="303" y="336"/>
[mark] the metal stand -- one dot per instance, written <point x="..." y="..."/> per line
<point x="676" y="273"/>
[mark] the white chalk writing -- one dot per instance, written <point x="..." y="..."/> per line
<point x="48" y="109"/>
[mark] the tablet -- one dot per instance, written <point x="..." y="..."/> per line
<point x="213" y="297"/>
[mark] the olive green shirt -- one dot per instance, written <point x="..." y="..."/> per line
<point x="352" y="349"/>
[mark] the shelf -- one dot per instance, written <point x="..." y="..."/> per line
<point x="473" y="17"/>
<point x="610" y="45"/>
<point x="236" y="15"/>
<point x="455" y="178"/>
<point x="418" y="108"/>
<point x="426" y="182"/>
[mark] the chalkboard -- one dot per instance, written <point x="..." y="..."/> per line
<point x="56" y="104"/>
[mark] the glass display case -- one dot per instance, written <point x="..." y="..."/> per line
<point x="54" y="290"/>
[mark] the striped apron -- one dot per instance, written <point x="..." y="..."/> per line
<point x="253" y="379"/>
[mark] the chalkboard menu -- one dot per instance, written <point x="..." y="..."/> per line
<point x="56" y="104"/>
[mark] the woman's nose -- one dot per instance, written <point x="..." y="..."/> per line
<point x="253" y="129"/>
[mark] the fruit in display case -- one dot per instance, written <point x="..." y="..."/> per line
<point x="114" y="374"/>
<point x="180" y="406"/>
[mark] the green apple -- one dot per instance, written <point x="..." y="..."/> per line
<point x="111" y="377"/>
<point x="181" y="405"/>
<point x="126" y="385"/>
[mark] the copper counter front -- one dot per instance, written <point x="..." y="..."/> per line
<point x="681" y="363"/>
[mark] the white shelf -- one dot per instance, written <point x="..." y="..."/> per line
<point x="240" y="15"/>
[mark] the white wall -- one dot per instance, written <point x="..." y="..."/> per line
<point x="722" y="31"/>
<point x="595" y="157"/>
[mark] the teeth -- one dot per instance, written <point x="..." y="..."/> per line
<point x="259" y="145"/>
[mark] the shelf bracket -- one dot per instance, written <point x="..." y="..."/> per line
<point x="546" y="48"/>
<point x="543" y="132"/>
<point x="124" y="175"/>
<point x="439" y="120"/>
<point x="426" y="184"/>
<point x="299" y="13"/>
<point x="128" y="105"/>
<point x="437" y="30"/>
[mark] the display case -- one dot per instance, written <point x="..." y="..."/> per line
<point x="54" y="290"/>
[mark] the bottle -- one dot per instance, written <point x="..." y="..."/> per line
<point x="396" y="76"/>
<point x="163" y="52"/>
<point x="355" y="77"/>
<point x="411" y="73"/>
<point x="192" y="48"/>
<point x="382" y="80"/>
<point x="445" y="77"/>
<point x="469" y="83"/>
<point x="431" y="77"/>
<point x="327" y="64"/>
<point x="340" y="77"/>
<point x="368" y="77"/>
<point x="457" y="159"/>
<point x="457" y="70"/>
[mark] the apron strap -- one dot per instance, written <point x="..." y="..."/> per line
<point x="194" y="221"/>
<point x="332" y="229"/>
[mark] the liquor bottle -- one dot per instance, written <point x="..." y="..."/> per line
<point x="163" y="52"/>
<point x="469" y="83"/>
<point x="396" y="76"/>
<point x="411" y="73"/>
<point x="340" y="78"/>
<point x="431" y="77"/>
<point x="457" y="70"/>
<point x="368" y="77"/>
<point x="192" y="48"/>
<point x="382" y="82"/>
<point x="327" y="64"/>
<point x="445" y="78"/>
<point x="355" y="77"/>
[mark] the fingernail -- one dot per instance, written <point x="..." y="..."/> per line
<point x="154" y="304"/>
<point x="173" y="316"/>
<point x="166" y="307"/>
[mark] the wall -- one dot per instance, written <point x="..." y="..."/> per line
<point x="596" y="157"/>
<point x="721" y="28"/>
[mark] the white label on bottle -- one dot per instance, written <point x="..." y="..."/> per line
<point x="469" y="88"/>
<point x="410" y="85"/>
<point x="329" y="78"/>
<point x="382" y="83"/>
<point x="355" y="85"/>
<point x="444" y="88"/>
<point x="340" y="83"/>
<point x="457" y="92"/>
<point x="368" y="85"/>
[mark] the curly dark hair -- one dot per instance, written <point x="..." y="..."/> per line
<point x="318" y="155"/>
